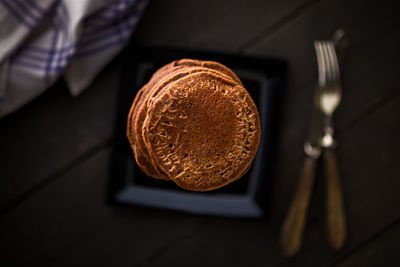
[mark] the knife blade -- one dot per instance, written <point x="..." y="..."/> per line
<point x="293" y="227"/>
<point x="312" y="146"/>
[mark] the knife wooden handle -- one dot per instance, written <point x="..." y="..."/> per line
<point x="293" y="227"/>
<point x="336" y="219"/>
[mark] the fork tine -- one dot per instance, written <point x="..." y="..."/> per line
<point x="323" y="66"/>
<point x="333" y="61"/>
<point x="321" y="63"/>
<point x="329" y="70"/>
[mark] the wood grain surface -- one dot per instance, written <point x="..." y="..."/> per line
<point x="54" y="152"/>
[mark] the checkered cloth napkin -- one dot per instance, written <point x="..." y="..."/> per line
<point x="40" y="40"/>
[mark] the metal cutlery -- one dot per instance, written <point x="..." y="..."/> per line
<point x="293" y="227"/>
<point x="326" y="98"/>
<point x="329" y="93"/>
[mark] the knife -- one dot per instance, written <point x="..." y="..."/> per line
<point x="293" y="227"/>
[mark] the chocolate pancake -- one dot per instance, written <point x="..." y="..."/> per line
<point x="202" y="130"/>
<point x="140" y="110"/>
<point x="141" y="155"/>
<point x="141" y="161"/>
<point x="162" y="85"/>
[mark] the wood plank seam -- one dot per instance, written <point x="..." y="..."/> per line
<point x="280" y="23"/>
<point x="36" y="189"/>
<point x="363" y="116"/>
<point x="160" y="251"/>
<point x="370" y="111"/>
<point x="364" y="243"/>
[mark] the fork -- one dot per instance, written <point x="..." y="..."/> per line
<point x="328" y="98"/>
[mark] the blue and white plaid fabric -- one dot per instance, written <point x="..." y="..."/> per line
<point x="40" y="40"/>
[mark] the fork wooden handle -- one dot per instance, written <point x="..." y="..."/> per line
<point x="293" y="227"/>
<point x="336" y="219"/>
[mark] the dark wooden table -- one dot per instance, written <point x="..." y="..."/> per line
<point x="54" y="152"/>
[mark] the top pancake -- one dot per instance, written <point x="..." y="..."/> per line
<point x="202" y="130"/>
<point x="159" y="80"/>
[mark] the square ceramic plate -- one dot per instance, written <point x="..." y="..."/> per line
<point x="246" y="197"/>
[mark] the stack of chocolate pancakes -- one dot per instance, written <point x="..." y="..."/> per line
<point x="194" y="124"/>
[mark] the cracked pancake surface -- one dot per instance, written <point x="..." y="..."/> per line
<point x="162" y="77"/>
<point x="195" y="124"/>
<point x="202" y="131"/>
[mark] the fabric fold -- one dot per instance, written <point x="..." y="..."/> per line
<point x="47" y="39"/>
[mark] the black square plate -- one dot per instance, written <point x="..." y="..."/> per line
<point x="246" y="197"/>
